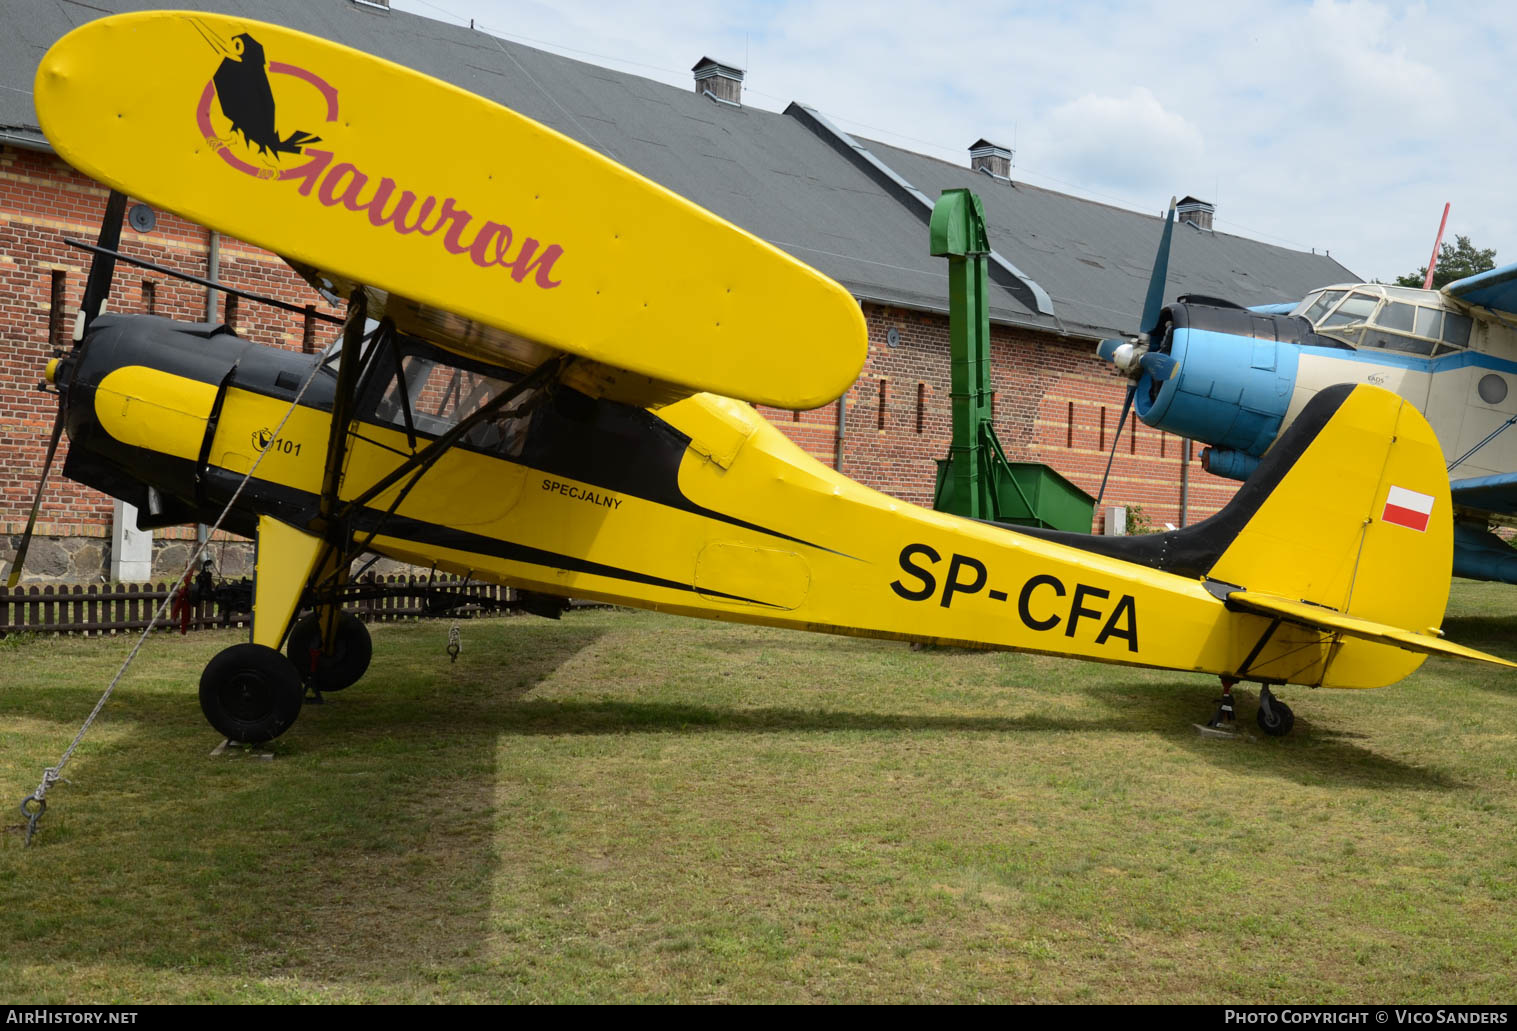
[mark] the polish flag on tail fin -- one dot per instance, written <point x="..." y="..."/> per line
<point x="1408" y="508"/>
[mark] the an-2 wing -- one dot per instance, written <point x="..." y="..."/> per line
<point x="1496" y="493"/>
<point x="1495" y="289"/>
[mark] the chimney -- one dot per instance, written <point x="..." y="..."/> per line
<point x="721" y="82"/>
<point x="991" y="158"/>
<point x="1197" y="212"/>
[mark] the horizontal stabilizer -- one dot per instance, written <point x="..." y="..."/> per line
<point x="1331" y="621"/>
<point x="1495" y="289"/>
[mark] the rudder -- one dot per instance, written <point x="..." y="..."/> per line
<point x="1359" y="522"/>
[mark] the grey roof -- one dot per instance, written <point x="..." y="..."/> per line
<point x="1095" y="259"/>
<point x="770" y="173"/>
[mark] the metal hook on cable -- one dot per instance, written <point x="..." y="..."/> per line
<point x="32" y="814"/>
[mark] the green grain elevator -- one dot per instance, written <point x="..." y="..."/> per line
<point x="976" y="480"/>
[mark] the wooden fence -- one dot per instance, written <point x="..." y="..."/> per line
<point x="113" y="608"/>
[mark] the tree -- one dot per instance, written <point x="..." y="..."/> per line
<point x="1455" y="261"/>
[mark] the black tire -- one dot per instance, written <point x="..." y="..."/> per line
<point x="348" y="661"/>
<point x="1283" y="720"/>
<point x="250" y="693"/>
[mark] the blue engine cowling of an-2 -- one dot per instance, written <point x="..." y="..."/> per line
<point x="1236" y="371"/>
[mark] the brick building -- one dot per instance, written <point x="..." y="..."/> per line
<point x="1066" y="272"/>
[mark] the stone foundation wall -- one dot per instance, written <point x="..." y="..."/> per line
<point x="87" y="560"/>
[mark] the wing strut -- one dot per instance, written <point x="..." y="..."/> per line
<point x="343" y="404"/>
<point x="1456" y="463"/>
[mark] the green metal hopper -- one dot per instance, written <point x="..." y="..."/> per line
<point x="976" y="480"/>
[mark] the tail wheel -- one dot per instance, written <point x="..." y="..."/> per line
<point x="1277" y="720"/>
<point x="250" y="693"/>
<point x="348" y="660"/>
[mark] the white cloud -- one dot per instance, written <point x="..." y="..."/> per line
<point x="1339" y="124"/>
<point x="1128" y="142"/>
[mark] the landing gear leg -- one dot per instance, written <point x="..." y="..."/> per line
<point x="1225" y="716"/>
<point x="1275" y="717"/>
<point x="250" y="692"/>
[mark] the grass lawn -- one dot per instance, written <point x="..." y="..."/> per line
<point x="627" y="807"/>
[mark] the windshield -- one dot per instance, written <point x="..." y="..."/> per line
<point x="1387" y="318"/>
<point x="432" y="396"/>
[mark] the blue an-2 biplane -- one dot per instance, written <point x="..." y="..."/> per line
<point x="1235" y="378"/>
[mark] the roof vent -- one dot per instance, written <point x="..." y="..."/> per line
<point x="991" y="158"/>
<point x="1197" y="212"/>
<point x="720" y="81"/>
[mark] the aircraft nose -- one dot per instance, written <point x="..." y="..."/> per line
<point x="1222" y="387"/>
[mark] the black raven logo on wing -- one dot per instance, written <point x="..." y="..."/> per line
<point x="242" y="87"/>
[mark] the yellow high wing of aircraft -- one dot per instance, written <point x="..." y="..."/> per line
<point x="538" y="403"/>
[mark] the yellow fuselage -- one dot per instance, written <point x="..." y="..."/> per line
<point x="754" y="530"/>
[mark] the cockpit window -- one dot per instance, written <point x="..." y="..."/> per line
<point x="1322" y="304"/>
<point x="1396" y="342"/>
<point x="1392" y="322"/>
<point x="333" y="360"/>
<point x="438" y="397"/>
<point x="1394" y="325"/>
<point x="1355" y="308"/>
<point x="1397" y="316"/>
<point x="1390" y="318"/>
<point x="1456" y="330"/>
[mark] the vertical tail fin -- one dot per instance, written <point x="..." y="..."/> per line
<point x="1351" y="516"/>
<point x="1358" y="520"/>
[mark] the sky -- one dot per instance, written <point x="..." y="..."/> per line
<point x="1339" y="125"/>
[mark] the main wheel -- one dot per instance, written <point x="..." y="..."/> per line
<point x="1280" y="721"/>
<point x="348" y="661"/>
<point x="250" y="693"/>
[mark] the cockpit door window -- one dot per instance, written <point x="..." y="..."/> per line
<point x="1456" y="330"/>
<point x="1396" y="316"/>
<point x="1392" y="328"/>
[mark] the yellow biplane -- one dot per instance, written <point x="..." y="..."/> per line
<point x="544" y="380"/>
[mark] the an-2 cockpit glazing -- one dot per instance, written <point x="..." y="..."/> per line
<point x="1389" y="318"/>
